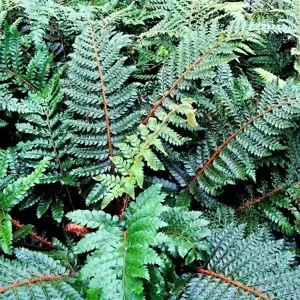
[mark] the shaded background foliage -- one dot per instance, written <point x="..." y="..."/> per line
<point x="151" y="147"/>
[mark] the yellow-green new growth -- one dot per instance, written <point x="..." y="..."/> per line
<point x="140" y="149"/>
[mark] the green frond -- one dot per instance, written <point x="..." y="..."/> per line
<point x="43" y="278"/>
<point x="12" y="195"/>
<point x="185" y="232"/>
<point x="3" y="163"/>
<point x="268" y="77"/>
<point x="182" y="15"/>
<point x="137" y="152"/>
<point x="201" y="51"/>
<point x="6" y="6"/>
<point x="221" y="216"/>
<point x="126" y="249"/>
<point x="41" y="121"/>
<point x="166" y="131"/>
<point x="17" y="70"/>
<point x="22" y="233"/>
<point x="3" y="123"/>
<point x="279" y="206"/>
<point x="41" y="29"/>
<point x="97" y="92"/>
<point x="258" y="136"/>
<point x="123" y="249"/>
<point x="92" y="219"/>
<point x="256" y="266"/>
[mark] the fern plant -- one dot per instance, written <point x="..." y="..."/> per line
<point x="127" y="248"/>
<point x="279" y="204"/>
<point x="274" y="205"/>
<point x="257" y="135"/>
<point x="18" y="72"/>
<point x="97" y="76"/>
<point x="137" y="151"/>
<point x="41" y="120"/>
<point x="231" y="271"/>
<point x="11" y="196"/>
<point x="35" y="275"/>
<point x="158" y="120"/>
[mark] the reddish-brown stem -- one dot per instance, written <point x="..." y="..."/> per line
<point x="34" y="235"/>
<point x="229" y="139"/>
<point x="179" y="79"/>
<point x="124" y="204"/>
<point x="237" y="284"/>
<point x="264" y="196"/>
<point x="33" y="280"/>
<point x="104" y="98"/>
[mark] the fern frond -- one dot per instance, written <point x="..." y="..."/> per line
<point x="256" y="137"/>
<point x="91" y="219"/>
<point x="192" y="61"/>
<point x="126" y="249"/>
<point x="11" y="195"/>
<point x="15" y="192"/>
<point x="16" y="70"/>
<point x="268" y="77"/>
<point x="181" y="15"/>
<point x="5" y="7"/>
<point x="51" y="23"/>
<point x="139" y="150"/>
<point x="2" y="123"/>
<point x="3" y="163"/>
<point x="24" y="230"/>
<point x="97" y="92"/>
<point x="231" y="271"/>
<point x="41" y="121"/>
<point x="185" y="233"/>
<point x="122" y="250"/>
<point x="43" y="278"/>
<point x="280" y="200"/>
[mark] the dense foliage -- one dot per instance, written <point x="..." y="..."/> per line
<point x="149" y="149"/>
